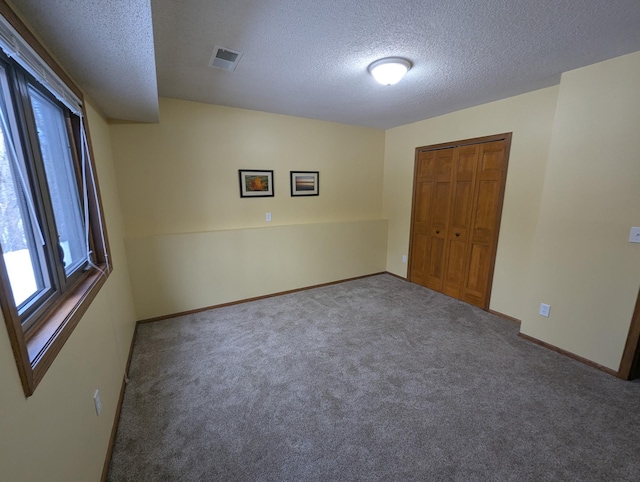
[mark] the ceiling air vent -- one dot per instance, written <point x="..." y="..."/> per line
<point x="225" y="59"/>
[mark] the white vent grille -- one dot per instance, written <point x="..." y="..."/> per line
<point x="225" y="59"/>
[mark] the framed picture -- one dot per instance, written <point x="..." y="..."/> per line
<point x="305" y="183"/>
<point x="256" y="183"/>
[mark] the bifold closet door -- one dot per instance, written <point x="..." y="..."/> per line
<point x="485" y="222"/>
<point x="433" y="184"/>
<point x="458" y="232"/>
<point x="457" y="202"/>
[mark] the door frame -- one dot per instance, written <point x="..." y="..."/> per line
<point x="506" y="137"/>
<point x="630" y="363"/>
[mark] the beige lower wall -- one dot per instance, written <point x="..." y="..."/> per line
<point x="582" y="262"/>
<point x="530" y="118"/>
<point x="55" y="435"/>
<point x="182" y="272"/>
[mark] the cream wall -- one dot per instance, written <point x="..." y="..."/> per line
<point x="193" y="242"/>
<point x="215" y="267"/>
<point x="55" y="435"/>
<point x="582" y="263"/>
<point x="530" y="118"/>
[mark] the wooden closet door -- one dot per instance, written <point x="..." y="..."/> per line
<point x="458" y="232"/>
<point x="487" y="208"/>
<point x="457" y="204"/>
<point x="431" y="209"/>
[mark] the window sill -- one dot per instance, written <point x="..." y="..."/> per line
<point x="40" y="348"/>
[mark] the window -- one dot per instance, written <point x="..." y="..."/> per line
<point x="52" y="238"/>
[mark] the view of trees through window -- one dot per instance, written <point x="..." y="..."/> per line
<point x="42" y="227"/>
<point x="13" y="233"/>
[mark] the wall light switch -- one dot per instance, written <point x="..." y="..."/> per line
<point x="404" y="258"/>
<point x="268" y="217"/>
<point x="544" y="310"/>
<point x="634" y="237"/>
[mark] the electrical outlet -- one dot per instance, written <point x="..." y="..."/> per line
<point x="404" y="258"/>
<point x="268" y="217"/>
<point x="97" y="402"/>
<point x="634" y="236"/>
<point x="544" y="310"/>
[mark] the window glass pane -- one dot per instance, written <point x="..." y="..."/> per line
<point x="20" y="239"/>
<point x="61" y="179"/>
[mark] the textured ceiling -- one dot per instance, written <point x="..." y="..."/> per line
<point x="309" y="58"/>
<point x="107" y="48"/>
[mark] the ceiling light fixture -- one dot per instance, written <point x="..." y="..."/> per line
<point x="390" y="70"/>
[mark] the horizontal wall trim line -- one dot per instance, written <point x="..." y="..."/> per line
<point x="137" y="237"/>
<point x="247" y="300"/>
<point x="569" y="354"/>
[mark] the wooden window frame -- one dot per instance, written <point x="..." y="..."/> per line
<point x="35" y="350"/>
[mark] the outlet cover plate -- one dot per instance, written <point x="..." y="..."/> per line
<point x="634" y="236"/>
<point x="97" y="402"/>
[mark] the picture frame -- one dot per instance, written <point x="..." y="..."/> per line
<point x="305" y="183"/>
<point x="256" y="183"/>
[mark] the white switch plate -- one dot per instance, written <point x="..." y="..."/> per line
<point x="404" y="258"/>
<point x="634" y="236"/>
<point x="268" y="217"/>
<point x="97" y="402"/>
<point x="544" y="310"/>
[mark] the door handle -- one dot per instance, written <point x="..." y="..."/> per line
<point x="457" y="234"/>
<point x="437" y="231"/>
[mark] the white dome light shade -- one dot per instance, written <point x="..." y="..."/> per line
<point x="389" y="71"/>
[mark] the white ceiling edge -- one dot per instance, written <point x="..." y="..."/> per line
<point x="106" y="47"/>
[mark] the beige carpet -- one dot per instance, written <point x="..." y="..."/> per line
<point x="373" y="379"/>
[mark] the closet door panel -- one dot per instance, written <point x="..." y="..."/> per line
<point x="421" y="242"/>
<point x="477" y="281"/>
<point x="465" y="163"/>
<point x="419" y="258"/>
<point x="439" y="219"/>
<point x="423" y="198"/>
<point x="484" y="223"/>
<point x="435" y="273"/>
<point x="485" y="211"/>
<point x="432" y="200"/>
